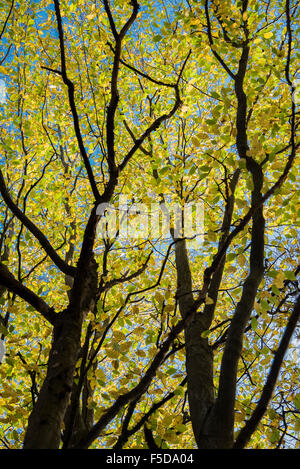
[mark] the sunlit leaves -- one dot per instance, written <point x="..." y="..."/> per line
<point x="191" y="157"/>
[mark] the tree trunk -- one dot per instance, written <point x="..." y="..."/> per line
<point x="199" y="367"/>
<point x="46" y="419"/>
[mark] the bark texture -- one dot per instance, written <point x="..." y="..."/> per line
<point x="45" y="422"/>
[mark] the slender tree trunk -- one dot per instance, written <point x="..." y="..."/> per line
<point x="199" y="354"/>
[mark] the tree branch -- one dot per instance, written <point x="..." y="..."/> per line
<point x="126" y="278"/>
<point x="223" y="409"/>
<point x="154" y="126"/>
<point x="211" y="42"/>
<point x="114" y="97"/>
<point x="71" y="92"/>
<point x="261" y="407"/>
<point x="157" y="405"/>
<point x="37" y="233"/>
<point x="7" y="19"/>
<point x="12" y="284"/>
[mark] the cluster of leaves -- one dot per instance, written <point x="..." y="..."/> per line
<point x="191" y="157"/>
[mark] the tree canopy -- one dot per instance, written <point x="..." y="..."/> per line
<point x="149" y="338"/>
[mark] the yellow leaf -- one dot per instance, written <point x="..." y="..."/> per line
<point x="209" y="301"/>
<point x="125" y="346"/>
<point x="115" y="364"/>
<point x="159" y="297"/>
<point x="268" y="35"/>
<point x="211" y="236"/>
<point x="99" y="411"/>
<point x="297" y="425"/>
<point x="279" y="280"/>
<point x="112" y="353"/>
<point x="196" y="141"/>
<point x="100" y="374"/>
<point x="118" y="335"/>
<point x="241" y="260"/>
<point x="240" y="416"/>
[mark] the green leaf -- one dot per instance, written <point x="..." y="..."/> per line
<point x="297" y="401"/>
<point x="181" y="428"/>
<point x="275" y="290"/>
<point x="274" y="435"/>
<point x="289" y="275"/>
<point x="171" y="371"/>
<point x="254" y="323"/>
<point x="265" y="305"/>
<point x="3" y="329"/>
<point x="211" y="121"/>
<point x="297" y="425"/>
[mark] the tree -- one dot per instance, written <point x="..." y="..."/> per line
<point x="118" y="342"/>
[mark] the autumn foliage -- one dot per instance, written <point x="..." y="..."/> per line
<point x="158" y="341"/>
